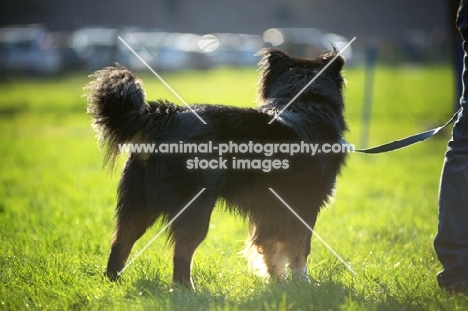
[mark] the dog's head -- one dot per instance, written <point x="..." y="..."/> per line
<point x="284" y="76"/>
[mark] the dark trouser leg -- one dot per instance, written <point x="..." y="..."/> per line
<point x="451" y="242"/>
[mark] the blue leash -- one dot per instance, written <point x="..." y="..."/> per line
<point x="398" y="144"/>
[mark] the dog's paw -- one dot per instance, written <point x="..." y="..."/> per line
<point x="112" y="276"/>
<point x="301" y="275"/>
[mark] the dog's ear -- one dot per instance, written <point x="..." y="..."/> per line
<point x="271" y="56"/>
<point x="338" y="63"/>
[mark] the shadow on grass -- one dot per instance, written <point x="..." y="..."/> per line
<point x="288" y="295"/>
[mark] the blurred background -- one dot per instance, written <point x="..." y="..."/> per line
<point x="46" y="37"/>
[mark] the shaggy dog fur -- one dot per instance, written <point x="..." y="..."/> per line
<point x="159" y="185"/>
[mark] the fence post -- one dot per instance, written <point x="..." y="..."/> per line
<point x="371" y="60"/>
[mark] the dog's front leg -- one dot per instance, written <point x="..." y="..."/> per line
<point x="275" y="260"/>
<point x="298" y="259"/>
<point x="299" y="269"/>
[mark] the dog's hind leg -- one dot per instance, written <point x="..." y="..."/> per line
<point x="133" y="217"/>
<point x="128" y="231"/>
<point x="187" y="232"/>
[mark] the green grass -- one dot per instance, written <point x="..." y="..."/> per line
<point x="56" y="207"/>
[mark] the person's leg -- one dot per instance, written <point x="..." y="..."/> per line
<point x="451" y="241"/>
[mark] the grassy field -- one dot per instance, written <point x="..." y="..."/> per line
<point x="56" y="207"/>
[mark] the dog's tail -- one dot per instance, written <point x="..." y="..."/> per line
<point x="116" y="100"/>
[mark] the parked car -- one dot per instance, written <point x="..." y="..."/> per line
<point x="95" y="46"/>
<point x="306" y="42"/>
<point x="236" y="49"/>
<point x="161" y="50"/>
<point x="30" y="49"/>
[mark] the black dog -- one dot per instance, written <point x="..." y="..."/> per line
<point x="157" y="185"/>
